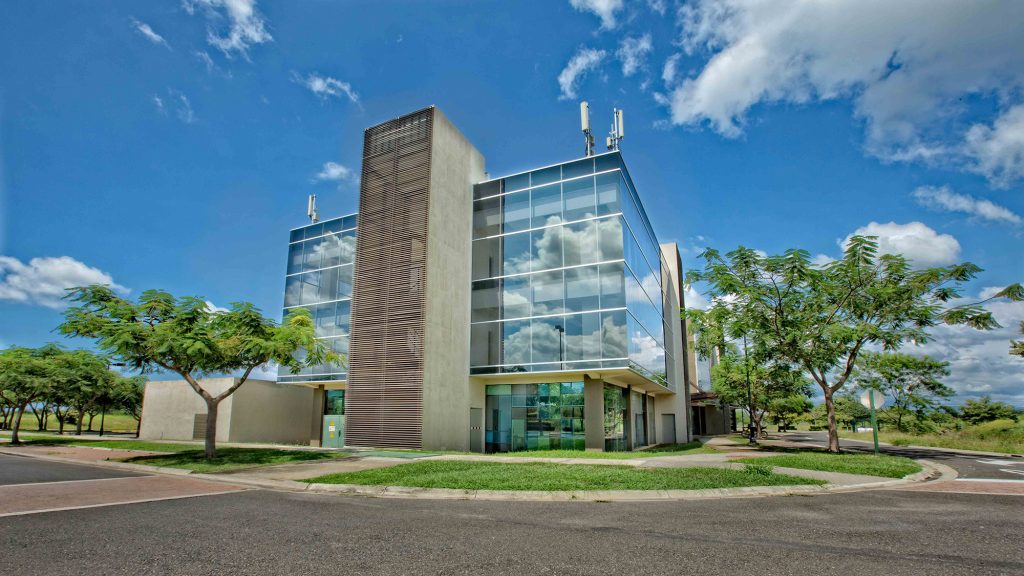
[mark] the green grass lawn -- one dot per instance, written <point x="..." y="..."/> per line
<point x="1004" y="436"/>
<point x="867" y="464"/>
<point x="544" y="476"/>
<point x="231" y="459"/>
<point x="666" y="450"/>
<point x="54" y="440"/>
<point x="114" y="422"/>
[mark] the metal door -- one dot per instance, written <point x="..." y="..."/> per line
<point x="333" y="435"/>
<point x="476" y="432"/>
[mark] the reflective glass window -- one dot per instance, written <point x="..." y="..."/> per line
<point x="324" y="317"/>
<point x="328" y="284"/>
<point x="607" y="162"/>
<point x="296" y="235"/>
<point x="343" y="317"/>
<point x="516" y="249"/>
<point x="310" y="288"/>
<point x="582" y="289"/>
<point x="515" y="296"/>
<point x="613" y="285"/>
<point x="583" y="336"/>
<point x="578" y="168"/>
<point x="292" y="291"/>
<point x="548" y="340"/>
<point x="546" y="248"/>
<point x="294" y="258"/>
<point x="345" y="281"/>
<point x="485" y="300"/>
<point x="610" y="238"/>
<point x="579" y="243"/>
<point x="485" y="344"/>
<point x="516" y="208"/>
<point x="608" y="193"/>
<point x="348" y="247"/>
<point x="333" y="225"/>
<point x="487" y="217"/>
<point x="546" y="175"/>
<point x="613" y="334"/>
<point x="487" y="257"/>
<point x="312" y="254"/>
<point x="486" y="189"/>
<point x="331" y="249"/>
<point x="547" y="205"/>
<point x="517" y="182"/>
<point x="350" y="221"/>
<point x="314" y="231"/>
<point x="515" y="342"/>
<point x="548" y="293"/>
<point x="579" y="199"/>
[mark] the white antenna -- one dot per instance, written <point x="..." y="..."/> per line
<point x="617" y="132"/>
<point x="314" y="216"/>
<point x="585" y="125"/>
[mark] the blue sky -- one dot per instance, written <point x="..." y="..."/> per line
<point x="172" y="145"/>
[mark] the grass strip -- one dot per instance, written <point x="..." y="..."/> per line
<point x="550" y="477"/>
<point x="865" y="464"/>
<point x="666" y="450"/>
<point x="230" y="459"/>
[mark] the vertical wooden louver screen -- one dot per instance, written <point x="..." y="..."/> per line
<point x="384" y="402"/>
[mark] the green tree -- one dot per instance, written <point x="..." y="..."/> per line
<point x="821" y="317"/>
<point x="785" y="410"/>
<point x="184" y="336"/>
<point x="128" y="397"/>
<point x="846" y="408"/>
<point x="768" y="383"/>
<point x="1017" y="346"/>
<point x="25" y="378"/>
<point x="82" y="378"/>
<point x="912" y="382"/>
<point x="985" y="410"/>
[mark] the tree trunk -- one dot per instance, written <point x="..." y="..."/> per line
<point x="60" y="423"/>
<point x="39" y="417"/>
<point x="211" y="428"/>
<point x="17" y="424"/>
<point x="91" y="415"/>
<point x="78" y="425"/>
<point x="833" y="431"/>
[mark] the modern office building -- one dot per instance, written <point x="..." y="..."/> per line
<point x="536" y="310"/>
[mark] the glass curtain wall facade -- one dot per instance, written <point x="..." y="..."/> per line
<point x="566" y="273"/>
<point x="319" y="279"/>
<point x="535" y="417"/>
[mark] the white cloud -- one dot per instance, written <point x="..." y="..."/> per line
<point x="633" y="52"/>
<point x="669" y="71"/>
<point x="148" y="33"/>
<point x="182" y="107"/>
<point x="694" y="300"/>
<point x="942" y="198"/>
<point x="334" y="172"/>
<point x="658" y="6"/>
<point x="998" y="152"/>
<point x="216" y="309"/>
<point x="980" y="362"/>
<point x="44" y="281"/>
<point x="159" y="103"/>
<point x="908" y="81"/>
<point x="920" y="244"/>
<point x="604" y="9"/>
<point x="326" y="87"/>
<point x="246" y="26"/>
<point x="582" y="62"/>
<point x="822" y="260"/>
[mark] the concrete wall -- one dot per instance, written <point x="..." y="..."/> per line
<point x="259" y="411"/>
<point x="593" y="413"/>
<point x="678" y="404"/>
<point x="169" y="408"/>
<point x="270" y="412"/>
<point x="455" y="165"/>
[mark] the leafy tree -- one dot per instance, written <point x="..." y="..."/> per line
<point x="25" y="378"/>
<point x="785" y="410"/>
<point x="128" y="397"/>
<point x="985" y="410"/>
<point x="82" y="378"/>
<point x="1017" y="346"/>
<point x="820" y="318"/>
<point x="847" y="410"/>
<point x="184" y="336"/>
<point x="912" y="382"/>
<point x="768" y="384"/>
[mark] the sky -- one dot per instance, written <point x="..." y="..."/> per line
<point x="172" y="144"/>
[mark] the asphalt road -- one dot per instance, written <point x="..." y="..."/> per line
<point x="25" y="470"/>
<point x="967" y="466"/>
<point x="265" y="532"/>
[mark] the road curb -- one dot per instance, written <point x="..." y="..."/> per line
<point x="930" y="469"/>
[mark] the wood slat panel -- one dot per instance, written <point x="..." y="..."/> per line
<point x="384" y="402"/>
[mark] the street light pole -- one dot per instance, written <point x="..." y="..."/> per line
<point x="751" y="430"/>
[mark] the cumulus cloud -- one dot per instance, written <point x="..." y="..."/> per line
<point x="604" y="9"/>
<point x="148" y="33"/>
<point x="326" y="87"/>
<point x="44" y="281"/>
<point x="980" y="362"/>
<point x="246" y="26"/>
<point x="920" y="244"/>
<point x="908" y="81"/>
<point x="633" y="52"/>
<point x="998" y="151"/>
<point x="334" y="172"/>
<point x="582" y="62"/>
<point x="943" y="198"/>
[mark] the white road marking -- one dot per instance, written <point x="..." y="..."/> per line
<point x="1000" y="462"/>
<point x="105" y="504"/>
<point x="1003" y="480"/>
<point x="2" y="486"/>
<point x="1021" y="472"/>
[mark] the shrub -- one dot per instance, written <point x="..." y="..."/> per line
<point x="757" y="469"/>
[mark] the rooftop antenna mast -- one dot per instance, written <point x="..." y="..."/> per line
<point x="314" y="216"/>
<point x="617" y="132"/>
<point x="585" y="125"/>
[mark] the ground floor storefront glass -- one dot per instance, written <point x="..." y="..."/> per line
<point x="535" y="417"/>
<point x="615" y="418"/>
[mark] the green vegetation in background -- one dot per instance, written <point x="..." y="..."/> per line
<point x="667" y="450"/>
<point x="1006" y="436"/>
<point x="548" y="477"/>
<point x="51" y="440"/>
<point x="866" y="464"/>
<point x="230" y="459"/>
